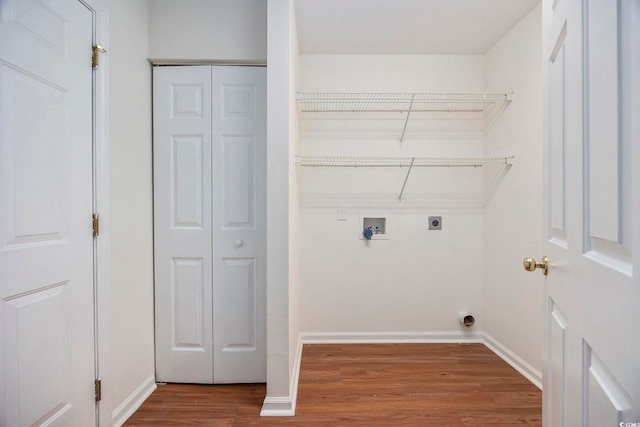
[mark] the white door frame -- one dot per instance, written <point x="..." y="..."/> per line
<point x="101" y="205"/>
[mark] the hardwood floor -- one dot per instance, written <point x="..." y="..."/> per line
<point x="439" y="385"/>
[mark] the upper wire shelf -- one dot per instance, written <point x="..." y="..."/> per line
<point x="401" y="162"/>
<point x="399" y="102"/>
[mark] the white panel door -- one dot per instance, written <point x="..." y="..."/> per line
<point x="183" y="223"/>
<point x="47" y="341"/>
<point x="592" y="363"/>
<point x="209" y="203"/>
<point x="239" y="176"/>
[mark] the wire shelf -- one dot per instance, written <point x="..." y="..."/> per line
<point x="399" y="102"/>
<point x="400" y="162"/>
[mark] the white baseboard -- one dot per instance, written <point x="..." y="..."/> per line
<point x="295" y="377"/>
<point x="131" y="404"/>
<point x="516" y="362"/>
<point x="391" y="337"/>
<point x="285" y="406"/>
<point x="278" y="407"/>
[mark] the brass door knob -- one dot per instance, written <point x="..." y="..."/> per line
<point x="531" y="264"/>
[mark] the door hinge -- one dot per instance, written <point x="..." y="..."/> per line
<point x="96" y="224"/>
<point x="98" y="389"/>
<point x="96" y="54"/>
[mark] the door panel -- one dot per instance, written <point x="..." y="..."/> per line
<point x="47" y="341"/>
<point x="42" y="23"/>
<point x="557" y="141"/>
<point x="239" y="181"/>
<point x="239" y="158"/>
<point x="33" y="151"/>
<point x="188" y="310"/>
<point x="187" y="181"/>
<point x="556" y="385"/>
<point x="606" y="401"/>
<point x="30" y="151"/>
<point x="602" y="118"/>
<point x="182" y="223"/>
<point x="39" y="323"/>
<point x="209" y="186"/>
<point x="608" y="177"/>
<point x="238" y="292"/>
<point x="593" y="74"/>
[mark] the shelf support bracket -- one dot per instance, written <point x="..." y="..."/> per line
<point x="413" y="95"/>
<point x="406" y="178"/>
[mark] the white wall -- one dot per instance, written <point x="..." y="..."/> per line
<point x="513" y="298"/>
<point x="294" y="205"/>
<point x="281" y="211"/>
<point x="132" y="343"/>
<point x="223" y="31"/>
<point x="417" y="281"/>
<point x="391" y="73"/>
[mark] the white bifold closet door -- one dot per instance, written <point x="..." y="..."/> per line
<point x="209" y="159"/>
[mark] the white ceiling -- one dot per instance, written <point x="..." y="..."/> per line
<point x="409" y="27"/>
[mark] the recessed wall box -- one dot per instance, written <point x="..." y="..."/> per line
<point x="378" y="226"/>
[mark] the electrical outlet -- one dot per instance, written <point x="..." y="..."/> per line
<point x="435" y="223"/>
<point x="341" y="213"/>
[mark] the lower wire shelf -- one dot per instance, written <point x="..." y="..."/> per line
<point x="400" y="162"/>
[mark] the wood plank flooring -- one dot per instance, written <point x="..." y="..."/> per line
<point x="439" y="385"/>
